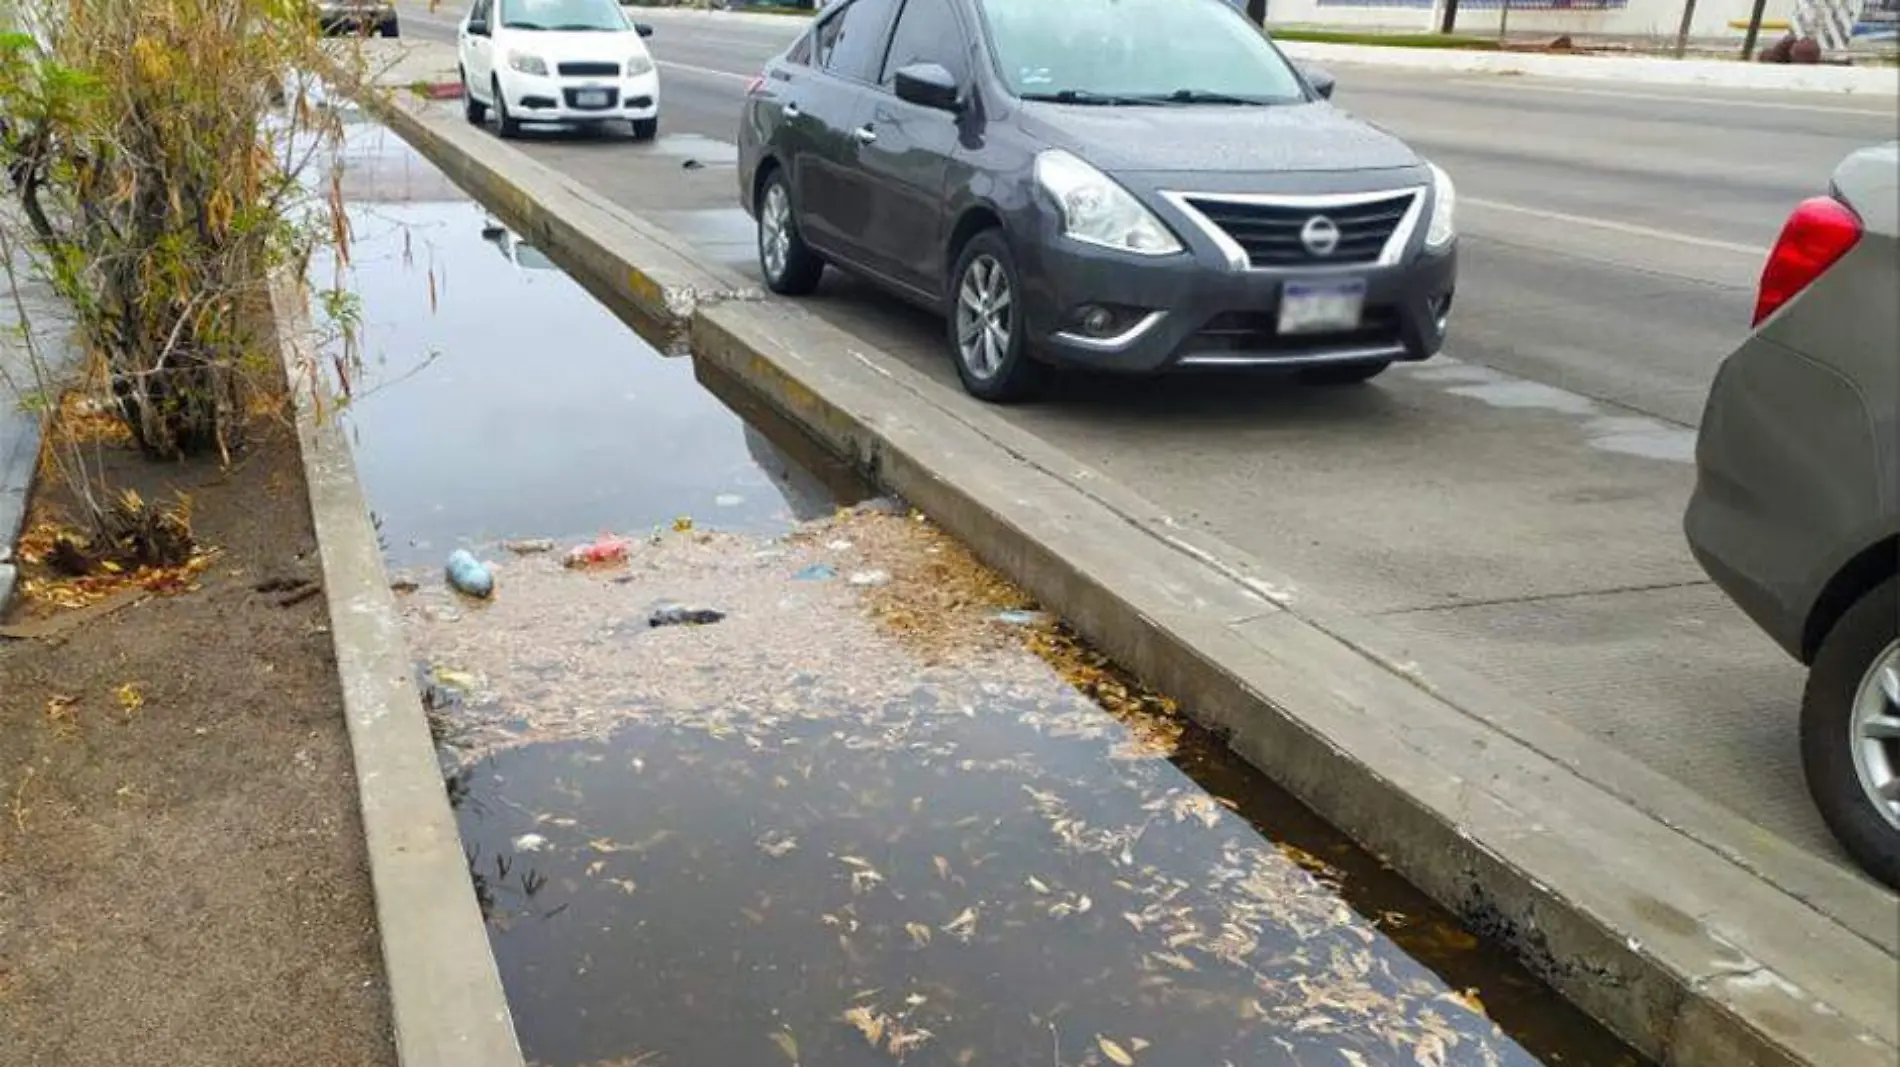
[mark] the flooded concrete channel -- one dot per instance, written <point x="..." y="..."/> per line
<point x="864" y="804"/>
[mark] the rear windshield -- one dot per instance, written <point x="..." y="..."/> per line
<point x="1106" y="51"/>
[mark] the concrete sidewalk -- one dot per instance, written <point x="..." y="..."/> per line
<point x="1671" y="920"/>
<point x="28" y="355"/>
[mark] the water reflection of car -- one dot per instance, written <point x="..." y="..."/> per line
<point x="358" y="16"/>
<point x="1796" y="512"/>
<point x="1116" y="185"/>
<point x="572" y="62"/>
<point x="514" y="249"/>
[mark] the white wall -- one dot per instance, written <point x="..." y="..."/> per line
<point x="1641" y="18"/>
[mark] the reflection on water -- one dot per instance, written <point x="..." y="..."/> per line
<point x="861" y="824"/>
<point x="502" y="401"/>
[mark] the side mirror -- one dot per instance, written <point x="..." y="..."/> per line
<point x="644" y="29"/>
<point x="478" y="27"/>
<point x="1321" y="81"/>
<point x="927" y="85"/>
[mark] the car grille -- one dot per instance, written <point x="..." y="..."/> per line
<point x="588" y="70"/>
<point x="1258" y="333"/>
<point x="608" y="98"/>
<point x="1269" y="233"/>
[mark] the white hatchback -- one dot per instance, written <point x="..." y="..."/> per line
<point x="574" y="62"/>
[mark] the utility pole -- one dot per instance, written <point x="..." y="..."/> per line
<point x="1504" y="21"/>
<point x="1451" y="17"/>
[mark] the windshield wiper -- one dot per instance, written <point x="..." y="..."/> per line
<point x="579" y="27"/>
<point x="1203" y="96"/>
<point x="1083" y="96"/>
<point x="524" y="25"/>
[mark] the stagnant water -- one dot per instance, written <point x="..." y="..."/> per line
<point x="878" y="813"/>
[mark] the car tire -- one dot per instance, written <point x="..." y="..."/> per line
<point x="646" y="129"/>
<point x="473" y="110"/>
<point x="390" y="28"/>
<point x="1843" y="675"/>
<point x="506" y="125"/>
<point x="786" y="262"/>
<point x="988" y="337"/>
<point x="1345" y="373"/>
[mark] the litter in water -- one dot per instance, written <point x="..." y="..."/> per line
<point x="816" y="572"/>
<point x="602" y="550"/>
<point x="530" y="546"/>
<point x="470" y="576"/>
<point x="680" y="615"/>
<point x="870" y="579"/>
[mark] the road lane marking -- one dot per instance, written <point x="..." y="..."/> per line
<point x="709" y="71"/>
<point x="1753" y="251"/>
<point x="1774" y="105"/>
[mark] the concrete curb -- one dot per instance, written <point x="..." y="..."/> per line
<point x="1501" y="814"/>
<point x="445" y="994"/>
<point x="1637" y="70"/>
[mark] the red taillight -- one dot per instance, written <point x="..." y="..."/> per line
<point x="1817" y="235"/>
<point x="753" y="85"/>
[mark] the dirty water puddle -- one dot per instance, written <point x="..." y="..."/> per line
<point x="866" y="824"/>
<point x="813" y="787"/>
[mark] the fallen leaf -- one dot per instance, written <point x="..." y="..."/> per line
<point x="1115" y="1052"/>
<point x="129" y="696"/>
<point x="787" y="1044"/>
<point x="869" y="1023"/>
<point x="963" y="926"/>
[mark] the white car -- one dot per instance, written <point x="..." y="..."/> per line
<point x="573" y="62"/>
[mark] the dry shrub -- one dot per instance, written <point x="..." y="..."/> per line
<point x="167" y="157"/>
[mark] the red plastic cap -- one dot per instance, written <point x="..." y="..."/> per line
<point x="1816" y="236"/>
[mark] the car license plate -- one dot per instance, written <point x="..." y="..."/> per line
<point x="1321" y="307"/>
<point x="590" y="98"/>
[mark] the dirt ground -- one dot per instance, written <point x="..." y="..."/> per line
<point x="182" y="872"/>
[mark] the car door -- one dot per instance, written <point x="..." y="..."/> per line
<point x="908" y="150"/>
<point x="829" y="187"/>
<point x="478" y="49"/>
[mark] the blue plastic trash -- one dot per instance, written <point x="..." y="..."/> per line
<point x="470" y="576"/>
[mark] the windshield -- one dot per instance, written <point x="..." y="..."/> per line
<point x="570" y="15"/>
<point x="1136" y="52"/>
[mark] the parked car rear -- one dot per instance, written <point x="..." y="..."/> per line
<point x="1796" y="511"/>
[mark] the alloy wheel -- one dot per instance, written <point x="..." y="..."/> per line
<point x="986" y="317"/>
<point x="775" y="231"/>
<point x="1874" y="733"/>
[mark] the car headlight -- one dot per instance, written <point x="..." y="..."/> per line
<point x="638" y="65"/>
<point x="527" y="64"/>
<point x="1096" y="210"/>
<point x="1443" y="227"/>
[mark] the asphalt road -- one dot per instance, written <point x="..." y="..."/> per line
<point x="1514" y="506"/>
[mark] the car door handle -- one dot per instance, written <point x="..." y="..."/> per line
<point x="791" y="109"/>
<point x="865" y="134"/>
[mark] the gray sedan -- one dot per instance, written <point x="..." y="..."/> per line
<point x="1796" y="512"/>
<point x="1117" y="185"/>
